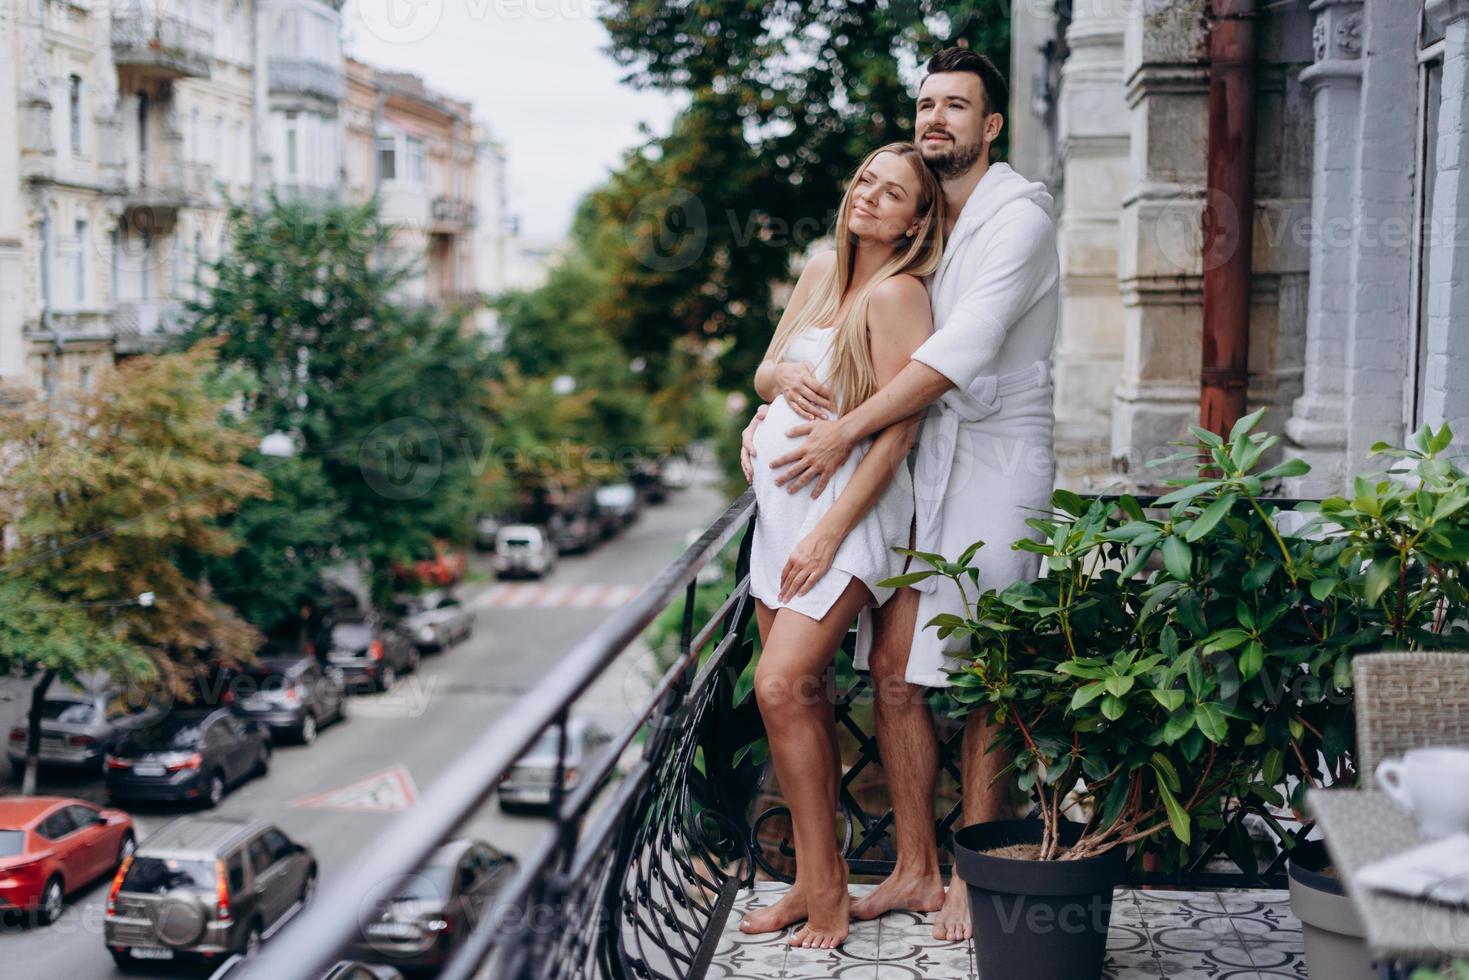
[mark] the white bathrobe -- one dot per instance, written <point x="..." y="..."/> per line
<point x="985" y="457"/>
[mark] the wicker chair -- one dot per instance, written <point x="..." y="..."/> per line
<point x="1405" y="700"/>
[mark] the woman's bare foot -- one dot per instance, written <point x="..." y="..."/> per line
<point x="826" y="927"/>
<point x="774" y="918"/>
<point x="952" y="923"/>
<point x="913" y="893"/>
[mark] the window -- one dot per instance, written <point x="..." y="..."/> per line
<point x="198" y="261"/>
<point x="387" y="158"/>
<point x="1430" y="94"/>
<point x="115" y="261"/>
<point x="293" y="138"/>
<point x="74" y="112"/>
<point x="83" y="817"/>
<point x="260" y="860"/>
<point x="235" y="871"/>
<point x="81" y="264"/>
<point x="58" y="825"/>
<point x="416" y="165"/>
<point x="278" y="844"/>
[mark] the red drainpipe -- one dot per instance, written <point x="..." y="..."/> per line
<point x="1228" y="218"/>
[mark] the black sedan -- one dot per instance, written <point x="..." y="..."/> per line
<point x="191" y="754"/>
<point x="291" y="695"/>
<point x="369" y="650"/>
<point x="432" y="911"/>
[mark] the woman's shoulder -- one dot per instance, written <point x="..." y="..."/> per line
<point x="900" y="291"/>
<point x="820" y="263"/>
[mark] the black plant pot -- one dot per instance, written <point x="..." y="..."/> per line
<point x="1042" y="920"/>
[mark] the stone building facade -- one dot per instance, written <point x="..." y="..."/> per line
<point x="416" y="149"/>
<point x="1360" y="278"/>
<point x="127" y="126"/>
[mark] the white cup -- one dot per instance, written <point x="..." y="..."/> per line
<point x="1433" y="784"/>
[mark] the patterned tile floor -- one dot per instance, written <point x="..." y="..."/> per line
<point x="1155" y="935"/>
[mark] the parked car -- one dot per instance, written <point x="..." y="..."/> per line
<point x="647" y="477"/>
<point x="433" y="910"/>
<point x="441" y="565"/>
<point x="190" y="754"/>
<point x="79" y="727"/>
<point x="203" y="888"/>
<point x="50" y="846"/>
<point x="528" y="783"/>
<point x="370" y="651"/>
<point x="434" y="620"/>
<point x="524" y="549"/>
<point x="341" y="970"/>
<point x="292" y="695"/>
<point x="619" y="502"/>
<point x="485" y="530"/>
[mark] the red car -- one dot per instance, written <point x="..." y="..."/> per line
<point x="51" y="846"/>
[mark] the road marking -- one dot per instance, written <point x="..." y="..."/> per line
<point x="382" y="792"/>
<point x="524" y="595"/>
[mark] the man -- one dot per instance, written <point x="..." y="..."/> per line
<point x="984" y="462"/>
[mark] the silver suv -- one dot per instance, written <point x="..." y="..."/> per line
<point x="205" y="887"/>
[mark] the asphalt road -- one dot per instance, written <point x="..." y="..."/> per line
<point x="418" y="727"/>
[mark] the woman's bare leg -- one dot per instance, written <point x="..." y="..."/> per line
<point x="795" y="702"/>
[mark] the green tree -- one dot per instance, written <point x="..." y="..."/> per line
<point x="785" y="98"/>
<point x="383" y="395"/>
<point x="107" y="495"/>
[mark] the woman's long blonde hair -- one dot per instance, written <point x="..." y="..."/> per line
<point x="853" y="378"/>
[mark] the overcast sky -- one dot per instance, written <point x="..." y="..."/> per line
<point x="538" y="77"/>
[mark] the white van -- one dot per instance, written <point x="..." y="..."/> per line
<point x="523" y="549"/>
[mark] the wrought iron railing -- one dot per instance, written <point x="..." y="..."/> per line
<point x="634" y="876"/>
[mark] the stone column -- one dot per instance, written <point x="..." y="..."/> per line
<point x="1317" y="426"/>
<point x="1446" y="393"/>
<point x="1381" y="308"/>
<point x="1159" y="266"/>
<point x="1093" y="144"/>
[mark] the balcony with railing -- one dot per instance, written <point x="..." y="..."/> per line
<point x="643" y="868"/>
<point x="166" y="183"/>
<point x="448" y="215"/>
<point x="301" y="76"/>
<point x="159" y="44"/>
<point x="142" y="326"/>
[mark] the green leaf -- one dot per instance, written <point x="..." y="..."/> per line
<point x="1129" y="505"/>
<point x="1119" y="685"/>
<point x="1188" y="492"/>
<point x="1381" y="574"/>
<point x="1251" y="660"/>
<point x="969" y="553"/>
<point x="1245" y="423"/>
<point x="1139" y="559"/>
<point x="1178" y="818"/>
<point x="1273" y="768"/>
<point x="1177" y="557"/>
<point x="1087" y="694"/>
<point x="1259" y="574"/>
<point x="1179" y="724"/>
<point x="1289" y="469"/>
<point x="906" y="579"/>
<point x="1069" y="502"/>
<point x="1211" y="517"/>
<point x="1225" y="640"/>
<point x="1112" y="707"/>
<point x="1322" y="587"/>
<point x="1210" y="720"/>
<point x="1170" y="698"/>
<point x="1205" y="436"/>
<point x="1165" y="770"/>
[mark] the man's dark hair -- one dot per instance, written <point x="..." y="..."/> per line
<point x="996" y="92"/>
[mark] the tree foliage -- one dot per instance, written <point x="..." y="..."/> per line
<point x="785" y="98"/>
<point x="382" y="395"/>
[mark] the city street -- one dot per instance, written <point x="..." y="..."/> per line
<point x="395" y="744"/>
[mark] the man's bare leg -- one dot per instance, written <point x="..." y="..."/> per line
<point x="984" y="801"/>
<point x="910" y="757"/>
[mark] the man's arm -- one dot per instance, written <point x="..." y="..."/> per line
<point x="1006" y="283"/>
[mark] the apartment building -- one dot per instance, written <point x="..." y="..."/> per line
<point x="416" y="150"/>
<point x="135" y="123"/>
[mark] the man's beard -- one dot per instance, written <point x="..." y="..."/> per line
<point x="954" y="161"/>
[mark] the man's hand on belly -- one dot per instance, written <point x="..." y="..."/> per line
<point x="825" y="449"/>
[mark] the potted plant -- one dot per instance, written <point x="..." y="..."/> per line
<point x="1156" y="705"/>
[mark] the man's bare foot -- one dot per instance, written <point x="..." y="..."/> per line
<point x="923" y="893"/>
<point x="774" y="918"/>
<point x="827" y="926"/>
<point x="952" y="923"/>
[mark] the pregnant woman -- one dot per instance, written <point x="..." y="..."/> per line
<point x="854" y="319"/>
